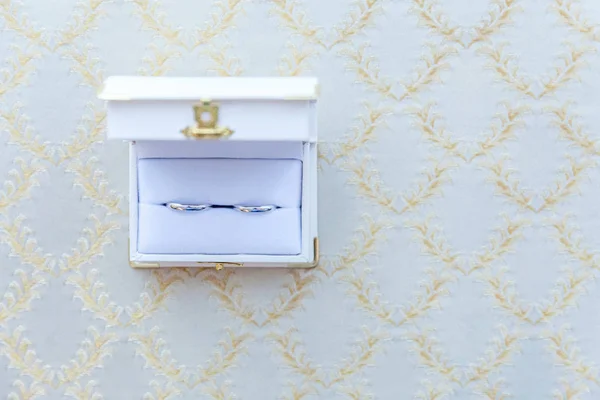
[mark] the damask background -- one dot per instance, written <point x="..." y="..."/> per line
<point x="459" y="205"/>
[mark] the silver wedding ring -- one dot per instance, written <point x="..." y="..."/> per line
<point x="254" y="209"/>
<point x="237" y="207"/>
<point x="188" y="207"/>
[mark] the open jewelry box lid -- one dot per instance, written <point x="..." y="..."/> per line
<point x="161" y="108"/>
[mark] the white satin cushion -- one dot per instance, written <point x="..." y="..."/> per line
<point x="220" y="181"/>
<point x="218" y="231"/>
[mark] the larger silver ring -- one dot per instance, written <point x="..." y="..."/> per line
<point x="255" y="209"/>
<point x="188" y="207"/>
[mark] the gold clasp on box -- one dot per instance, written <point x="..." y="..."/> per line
<point x="220" y="265"/>
<point x="206" y="115"/>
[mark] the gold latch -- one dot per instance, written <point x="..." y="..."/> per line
<point x="220" y="265"/>
<point x="206" y="115"/>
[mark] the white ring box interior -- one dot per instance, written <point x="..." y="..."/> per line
<point x="269" y="159"/>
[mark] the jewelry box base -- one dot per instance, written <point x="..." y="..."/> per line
<point x="219" y="265"/>
<point x="304" y="151"/>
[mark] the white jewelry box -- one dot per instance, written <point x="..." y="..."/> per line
<point x="211" y="141"/>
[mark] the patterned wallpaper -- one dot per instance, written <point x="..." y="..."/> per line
<point x="459" y="212"/>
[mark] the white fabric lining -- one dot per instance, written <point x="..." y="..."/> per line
<point x="218" y="231"/>
<point x="219" y="181"/>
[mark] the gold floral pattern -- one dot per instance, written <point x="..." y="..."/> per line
<point x="436" y="187"/>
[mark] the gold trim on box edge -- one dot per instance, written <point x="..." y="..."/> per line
<point x="314" y="262"/>
<point x="139" y="264"/>
<point x="314" y="96"/>
<point x="144" y="265"/>
<point x="219" y="265"/>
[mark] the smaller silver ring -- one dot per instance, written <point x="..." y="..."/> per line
<point x="188" y="207"/>
<point x="255" y="209"/>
